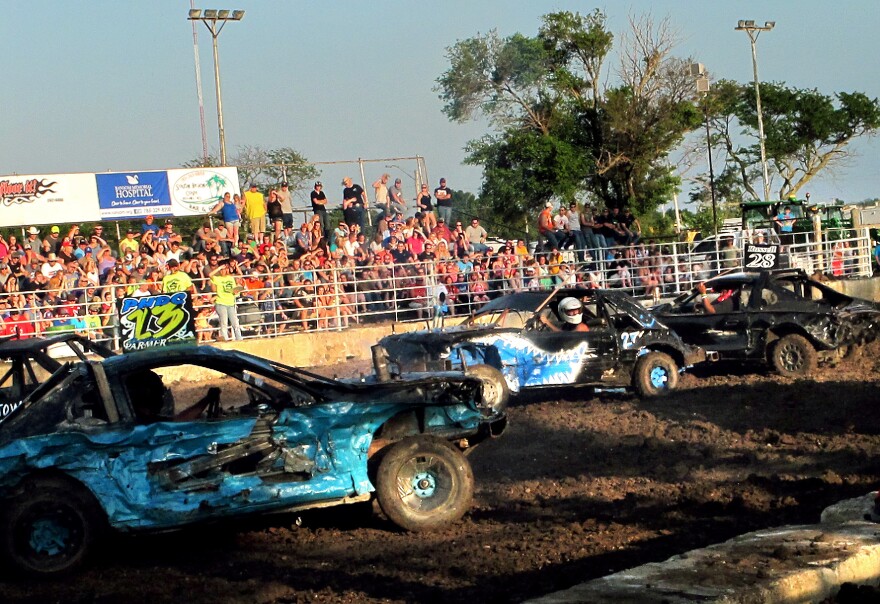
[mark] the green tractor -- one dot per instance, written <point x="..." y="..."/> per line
<point x="836" y="223"/>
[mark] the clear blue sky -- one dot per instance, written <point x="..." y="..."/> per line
<point x="109" y="85"/>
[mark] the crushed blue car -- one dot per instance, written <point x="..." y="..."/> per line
<point x="139" y="443"/>
<point x="524" y="336"/>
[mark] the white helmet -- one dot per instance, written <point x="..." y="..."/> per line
<point x="571" y="310"/>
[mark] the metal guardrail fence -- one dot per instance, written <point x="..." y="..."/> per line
<point x="341" y="294"/>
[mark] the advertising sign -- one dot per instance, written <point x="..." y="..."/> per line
<point x="197" y="191"/>
<point x="158" y="320"/>
<point x="47" y="198"/>
<point x="761" y="257"/>
<point x="133" y="194"/>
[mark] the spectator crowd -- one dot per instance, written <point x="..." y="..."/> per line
<point x="249" y="259"/>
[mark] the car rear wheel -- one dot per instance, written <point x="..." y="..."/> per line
<point x="794" y="356"/>
<point x="656" y="374"/>
<point x="50" y="528"/>
<point x="424" y="484"/>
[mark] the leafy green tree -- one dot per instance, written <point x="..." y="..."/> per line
<point x="557" y="133"/>
<point x="806" y="132"/>
<point x="266" y="166"/>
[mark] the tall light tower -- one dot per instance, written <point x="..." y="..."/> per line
<point x="214" y="20"/>
<point x="754" y="31"/>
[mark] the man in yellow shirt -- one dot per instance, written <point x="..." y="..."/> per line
<point x="129" y="245"/>
<point x="255" y="209"/>
<point x="226" y="289"/>
<point x="176" y="281"/>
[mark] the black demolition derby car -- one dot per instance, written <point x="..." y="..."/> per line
<point x="25" y="363"/>
<point x="524" y="336"/>
<point x="169" y="437"/>
<point x="782" y="317"/>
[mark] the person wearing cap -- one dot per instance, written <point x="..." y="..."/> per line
<point x="354" y="203"/>
<point x="53" y="241"/>
<point x="65" y="251"/>
<point x="545" y="225"/>
<point x="226" y="288"/>
<point x="284" y="196"/>
<point x="396" y="199"/>
<point x="444" y="201"/>
<point x="319" y="206"/>
<point x="255" y="209"/>
<point x="176" y="280"/>
<point x="149" y="225"/>
<point x="230" y="214"/>
<point x="130" y="244"/>
<point x="443" y="231"/>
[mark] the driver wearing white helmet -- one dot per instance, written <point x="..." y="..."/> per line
<point x="571" y="313"/>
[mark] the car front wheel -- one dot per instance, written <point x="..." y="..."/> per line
<point x="656" y="374"/>
<point x="794" y="356"/>
<point x="424" y="484"/>
<point x="50" y="528"/>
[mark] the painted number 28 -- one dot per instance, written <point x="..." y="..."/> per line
<point x="760" y="261"/>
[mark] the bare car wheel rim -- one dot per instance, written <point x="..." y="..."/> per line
<point x="49" y="533"/>
<point x="424" y="483"/>
<point x="791" y="357"/>
<point x="659" y="377"/>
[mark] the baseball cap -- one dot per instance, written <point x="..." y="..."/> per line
<point x="318" y="183"/>
<point x="548" y="204"/>
<point x="55" y="229"/>
<point x="284" y="184"/>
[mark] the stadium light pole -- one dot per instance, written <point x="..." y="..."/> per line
<point x="214" y="20"/>
<point x="702" y="81"/>
<point x="754" y="31"/>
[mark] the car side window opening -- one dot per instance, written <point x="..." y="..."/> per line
<point x="150" y="400"/>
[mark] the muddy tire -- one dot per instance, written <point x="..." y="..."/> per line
<point x="50" y="528"/>
<point x="495" y="391"/>
<point x="794" y="356"/>
<point x="656" y="374"/>
<point x="424" y="484"/>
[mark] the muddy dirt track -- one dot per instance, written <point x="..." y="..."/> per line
<point x="578" y="487"/>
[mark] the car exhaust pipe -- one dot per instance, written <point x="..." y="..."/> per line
<point x="713" y="356"/>
<point x="380" y="363"/>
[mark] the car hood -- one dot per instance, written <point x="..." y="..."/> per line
<point x="437" y="340"/>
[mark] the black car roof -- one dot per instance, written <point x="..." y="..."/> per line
<point x="11" y="346"/>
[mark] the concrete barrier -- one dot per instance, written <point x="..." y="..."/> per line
<point x="774" y="566"/>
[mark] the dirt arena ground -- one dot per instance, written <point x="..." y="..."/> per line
<point x="580" y="486"/>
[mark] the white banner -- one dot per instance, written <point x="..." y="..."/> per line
<point x="48" y="198"/>
<point x="196" y="191"/>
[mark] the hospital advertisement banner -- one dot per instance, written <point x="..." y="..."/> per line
<point x="90" y="197"/>
<point x="124" y="195"/>
<point x="48" y="198"/>
<point x="197" y="191"/>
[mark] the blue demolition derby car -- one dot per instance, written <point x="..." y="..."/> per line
<point x="164" y="438"/>
<point x="564" y="337"/>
